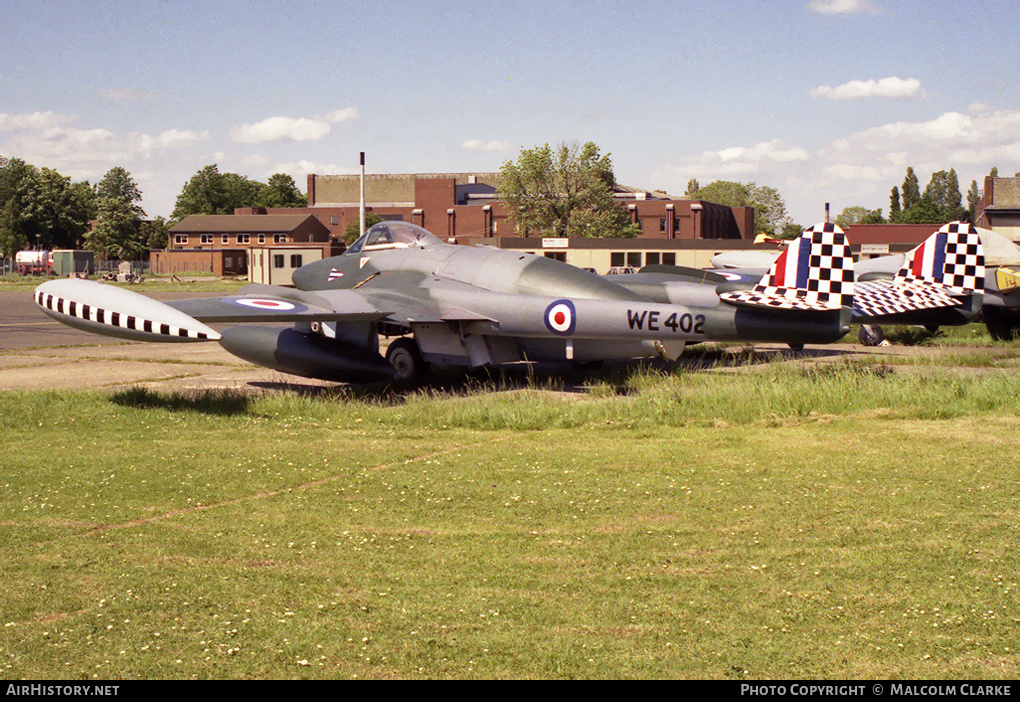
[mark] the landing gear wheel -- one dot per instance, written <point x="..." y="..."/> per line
<point x="405" y="357"/>
<point x="1002" y="325"/>
<point x="796" y="347"/>
<point x="870" y="335"/>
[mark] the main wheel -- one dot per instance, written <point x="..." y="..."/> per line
<point x="1002" y="326"/>
<point x="870" y="335"/>
<point x="405" y="357"/>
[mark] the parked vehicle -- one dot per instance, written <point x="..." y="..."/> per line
<point x="34" y="262"/>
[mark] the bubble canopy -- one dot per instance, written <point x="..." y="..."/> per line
<point x="393" y="235"/>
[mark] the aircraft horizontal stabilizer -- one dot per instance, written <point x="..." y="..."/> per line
<point x="945" y="269"/>
<point x="814" y="273"/>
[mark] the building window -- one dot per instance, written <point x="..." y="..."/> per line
<point x="334" y="220"/>
<point x="279" y="238"/>
<point x="669" y="259"/>
<point x="652" y="258"/>
<point x="634" y="258"/>
<point x="262" y="238"/>
<point x="207" y="238"/>
<point x="181" y="239"/>
<point x="617" y="259"/>
<point x="225" y="239"/>
<point x="277" y="260"/>
<point x="244" y="238"/>
<point x="295" y="260"/>
<point x="557" y="255"/>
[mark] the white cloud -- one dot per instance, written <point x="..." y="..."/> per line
<point x="170" y="139"/>
<point x="344" y="115"/>
<point x="481" y="145"/>
<point x="35" y="120"/>
<point x="280" y="129"/>
<point x="739" y="159"/>
<point x="891" y="87"/>
<point x="304" y="167"/>
<point x="291" y="128"/>
<point x="862" y="167"/>
<point x="844" y="7"/>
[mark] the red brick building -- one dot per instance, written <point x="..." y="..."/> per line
<point x="466" y="205"/>
<point x="220" y="243"/>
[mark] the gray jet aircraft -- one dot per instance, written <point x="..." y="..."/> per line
<point x="454" y="305"/>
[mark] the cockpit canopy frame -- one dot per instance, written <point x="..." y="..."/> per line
<point x="393" y="235"/>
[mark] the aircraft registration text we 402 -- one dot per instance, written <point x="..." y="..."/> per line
<point x="685" y="323"/>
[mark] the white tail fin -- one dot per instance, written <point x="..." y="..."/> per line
<point x="815" y="272"/>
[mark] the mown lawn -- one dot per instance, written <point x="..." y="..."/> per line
<point x="846" y="521"/>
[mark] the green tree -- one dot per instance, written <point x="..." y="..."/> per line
<point x="564" y="192"/>
<point x="911" y="189"/>
<point x="943" y="192"/>
<point x="212" y="192"/>
<point x="353" y="230"/>
<point x="924" y="211"/>
<point x="12" y="238"/>
<point x="117" y="232"/>
<point x="894" y="205"/>
<point x="118" y="229"/>
<point x="856" y="214"/>
<point x="973" y="199"/>
<point x="769" y="208"/>
<point x="205" y="193"/>
<point x="119" y="185"/>
<point x="52" y="212"/>
<point x="155" y="233"/>
<point x="281" y="191"/>
<point x="791" y="231"/>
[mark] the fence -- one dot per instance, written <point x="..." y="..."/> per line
<point x="8" y="267"/>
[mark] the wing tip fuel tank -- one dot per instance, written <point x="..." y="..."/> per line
<point x="112" y="311"/>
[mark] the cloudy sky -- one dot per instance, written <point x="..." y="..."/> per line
<point x="825" y="100"/>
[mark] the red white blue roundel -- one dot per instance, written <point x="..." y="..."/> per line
<point x="729" y="276"/>
<point x="265" y="304"/>
<point x="560" y="317"/>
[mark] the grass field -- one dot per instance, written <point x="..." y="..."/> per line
<point x="844" y="520"/>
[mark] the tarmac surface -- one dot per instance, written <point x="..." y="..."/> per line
<point x="39" y="353"/>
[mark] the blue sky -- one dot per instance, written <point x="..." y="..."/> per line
<point x="824" y="100"/>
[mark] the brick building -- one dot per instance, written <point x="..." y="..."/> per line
<point x="999" y="207"/>
<point x="220" y="244"/>
<point x="466" y="205"/>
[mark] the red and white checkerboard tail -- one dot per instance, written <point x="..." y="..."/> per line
<point x="951" y="258"/>
<point x="815" y="272"/>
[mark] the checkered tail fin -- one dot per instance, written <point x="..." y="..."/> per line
<point x="950" y="258"/>
<point x="815" y="272"/>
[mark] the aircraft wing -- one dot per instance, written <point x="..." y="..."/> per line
<point x="274" y="304"/>
<point x="410" y="297"/>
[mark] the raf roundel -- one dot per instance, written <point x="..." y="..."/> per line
<point x="261" y="304"/>
<point x="560" y="317"/>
